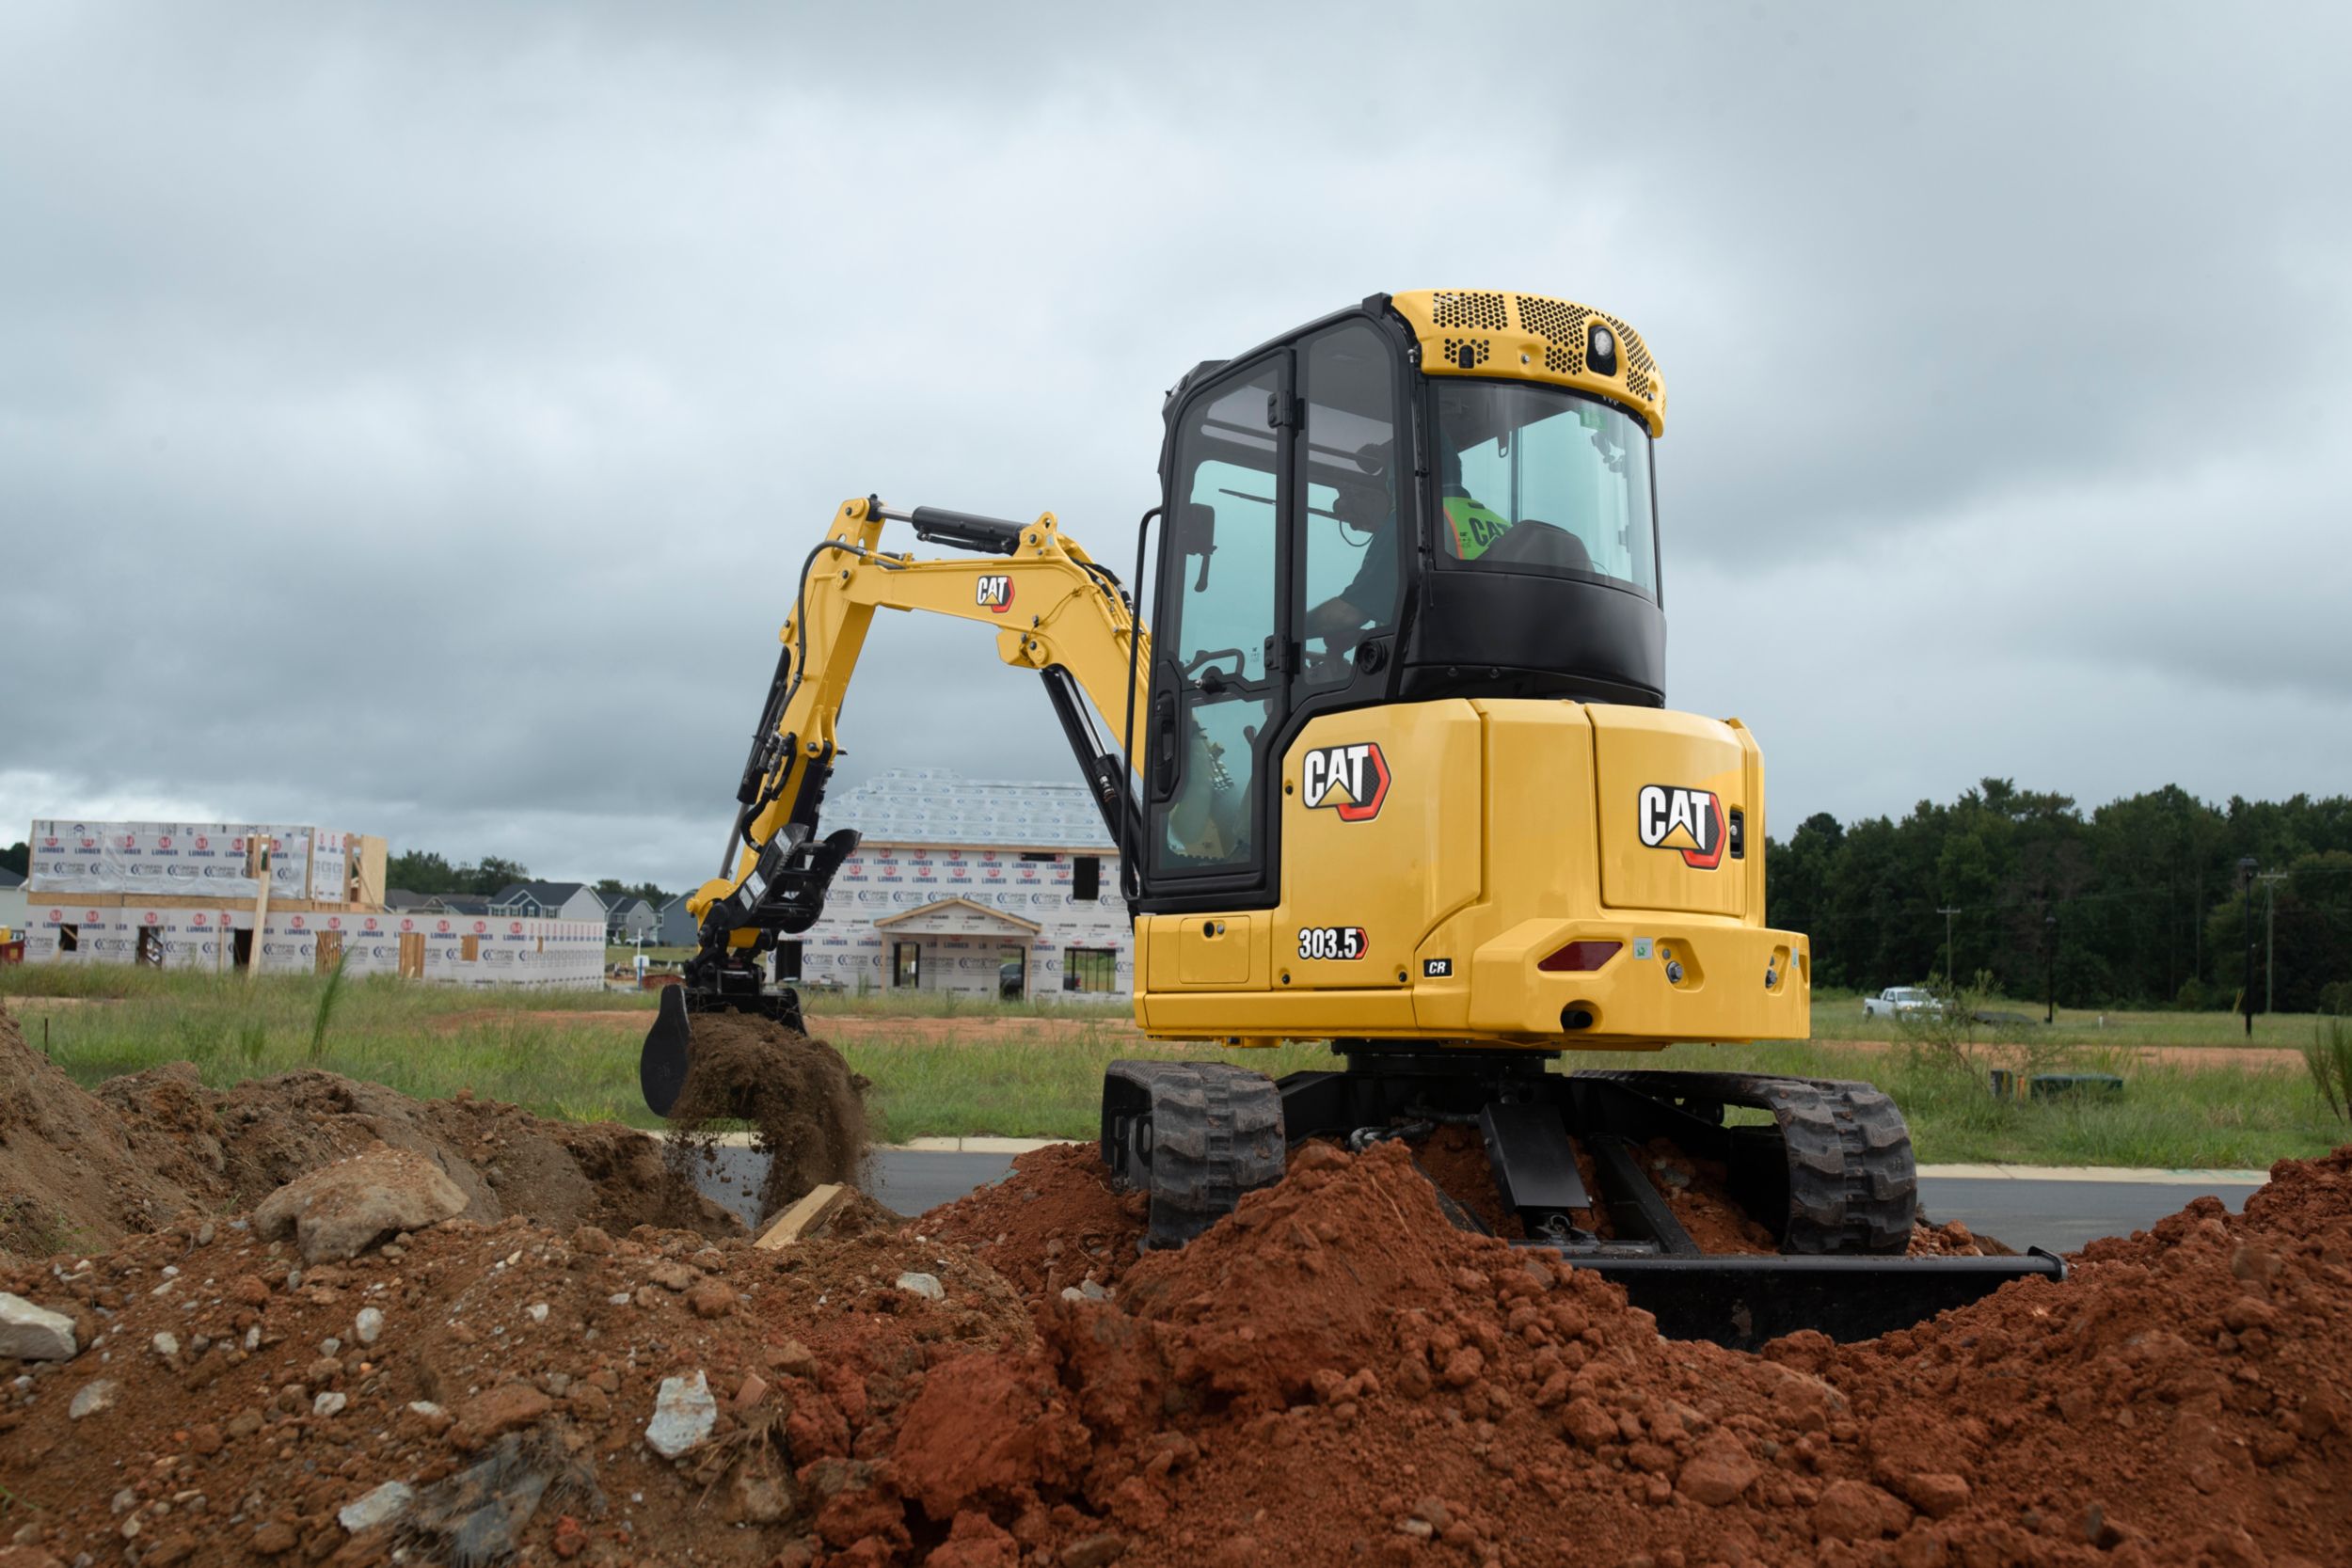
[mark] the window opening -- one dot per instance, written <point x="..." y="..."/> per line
<point x="1086" y="877"/>
<point x="1089" y="969"/>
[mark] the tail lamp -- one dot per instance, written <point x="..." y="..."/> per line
<point x="1580" y="957"/>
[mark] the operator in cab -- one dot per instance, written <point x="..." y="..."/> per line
<point x="1468" y="529"/>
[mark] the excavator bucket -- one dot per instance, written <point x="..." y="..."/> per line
<point x="668" y="1051"/>
<point x="667" y="1056"/>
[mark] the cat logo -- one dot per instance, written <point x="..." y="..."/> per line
<point x="1350" y="779"/>
<point x="1689" y="821"/>
<point x="995" y="594"/>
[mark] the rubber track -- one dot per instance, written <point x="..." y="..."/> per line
<point x="1217" y="1132"/>
<point x="1852" y="1184"/>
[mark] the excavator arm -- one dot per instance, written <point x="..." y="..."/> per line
<point x="1055" y="611"/>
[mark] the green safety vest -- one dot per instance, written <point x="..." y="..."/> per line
<point x="1475" y="527"/>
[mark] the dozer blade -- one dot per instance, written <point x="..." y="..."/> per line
<point x="668" y="1051"/>
<point x="1741" y="1302"/>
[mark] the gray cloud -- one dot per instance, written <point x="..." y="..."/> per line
<point x="412" y="417"/>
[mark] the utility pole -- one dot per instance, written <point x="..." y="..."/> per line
<point x="1951" y="963"/>
<point x="2246" y="888"/>
<point x="2270" y="880"/>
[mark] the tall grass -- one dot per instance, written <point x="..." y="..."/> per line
<point x="324" y="1014"/>
<point x="2328" y="1055"/>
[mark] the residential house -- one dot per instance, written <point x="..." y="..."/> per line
<point x="631" y="920"/>
<point x="550" y="901"/>
<point x="678" y="929"/>
<point x="978" y="886"/>
<point x="13" y="903"/>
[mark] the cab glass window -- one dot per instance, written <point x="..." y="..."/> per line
<point x="1211" y="648"/>
<point x="1350" y="580"/>
<point x="1535" y="478"/>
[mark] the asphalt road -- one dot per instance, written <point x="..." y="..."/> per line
<point x="2060" y="1215"/>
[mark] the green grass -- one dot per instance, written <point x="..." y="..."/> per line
<point x="2167" y="1116"/>
<point x="1837" y="1015"/>
<point x="519" y="1046"/>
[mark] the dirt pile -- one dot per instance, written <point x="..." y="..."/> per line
<point x="1050" y="1225"/>
<point x="805" y="1107"/>
<point x="80" y="1171"/>
<point x="1335" y="1374"/>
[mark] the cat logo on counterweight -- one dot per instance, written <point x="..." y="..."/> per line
<point x="1349" y="780"/>
<point x="1669" y="816"/>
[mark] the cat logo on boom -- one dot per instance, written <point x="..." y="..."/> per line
<point x="1689" y="821"/>
<point x="1350" y="779"/>
<point x="994" y="592"/>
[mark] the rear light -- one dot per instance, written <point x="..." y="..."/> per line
<point x="1578" y="957"/>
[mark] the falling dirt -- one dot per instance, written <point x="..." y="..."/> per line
<point x="1335" y="1374"/>
<point x="805" y="1107"/>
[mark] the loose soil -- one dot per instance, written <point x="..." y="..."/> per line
<point x="807" y="1108"/>
<point x="1335" y="1374"/>
<point x="80" y="1171"/>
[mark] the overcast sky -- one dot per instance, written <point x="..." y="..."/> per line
<point x="412" y="417"/>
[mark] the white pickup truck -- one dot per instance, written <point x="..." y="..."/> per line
<point x="1895" y="1001"/>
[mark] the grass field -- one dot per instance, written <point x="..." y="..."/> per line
<point x="981" y="1068"/>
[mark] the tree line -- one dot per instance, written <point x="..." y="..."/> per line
<point x="2142" y="902"/>
<point x="424" y="871"/>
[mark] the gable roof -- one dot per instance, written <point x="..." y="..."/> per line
<point x="11" y="879"/>
<point x="960" y="906"/>
<point x="937" y="805"/>
<point x="552" y="895"/>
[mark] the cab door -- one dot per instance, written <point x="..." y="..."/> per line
<point x="1217" y="683"/>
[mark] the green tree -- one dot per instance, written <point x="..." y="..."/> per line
<point x="18" y="858"/>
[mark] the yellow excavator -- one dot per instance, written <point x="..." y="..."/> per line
<point x="1392" y="769"/>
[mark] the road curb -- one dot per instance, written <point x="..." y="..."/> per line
<point x="2134" y="1174"/>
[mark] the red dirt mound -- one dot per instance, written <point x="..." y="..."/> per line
<point x="1334" y="1374"/>
<point x="1050" y="1225"/>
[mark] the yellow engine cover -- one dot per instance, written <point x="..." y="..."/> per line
<point x="1434" y="855"/>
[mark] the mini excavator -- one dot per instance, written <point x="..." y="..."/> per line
<point x="1393" y="771"/>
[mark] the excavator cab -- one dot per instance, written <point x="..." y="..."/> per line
<point x="1393" y="771"/>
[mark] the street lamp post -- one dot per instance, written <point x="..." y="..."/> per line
<point x="2049" y="968"/>
<point x="2246" y="883"/>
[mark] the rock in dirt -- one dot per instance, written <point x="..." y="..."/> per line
<point x="683" y="1415"/>
<point x="94" y="1399"/>
<point x="479" y="1515"/>
<point x="341" y="1212"/>
<point x="379" y="1507"/>
<point x="31" y="1333"/>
